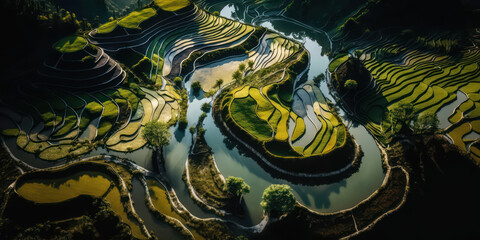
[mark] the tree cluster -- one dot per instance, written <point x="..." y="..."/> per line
<point x="403" y="119"/>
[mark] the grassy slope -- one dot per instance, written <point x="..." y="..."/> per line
<point x="134" y="19"/>
<point x="70" y="44"/>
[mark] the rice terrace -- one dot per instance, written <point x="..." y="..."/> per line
<point x="240" y="119"/>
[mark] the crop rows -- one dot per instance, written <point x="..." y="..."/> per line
<point x="56" y="124"/>
<point x="272" y="49"/>
<point x="157" y="106"/>
<point x="429" y="79"/>
<point x="263" y="114"/>
<point x="330" y="133"/>
<point x="173" y="38"/>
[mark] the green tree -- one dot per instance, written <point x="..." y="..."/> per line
<point x="192" y="131"/>
<point x="237" y="186"/>
<point x="278" y="199"/>
<point x="206" y="107"/>
<point x="350" y="84"/>
<point x="157" y="136"/>
<point x="218" y="83"/>
<point x="241" y="67"/>
<point x="250" y="64"/>
<point x="196" y="86"/>
<point x="182" y="122"/>
<point x="319" y="78"/>
<point x="401" y="116"/>
<point x="425" y="123"/>
<point x="178" y="82"/>
<point x="237" y="76"/>
<point x="200" y="131"/>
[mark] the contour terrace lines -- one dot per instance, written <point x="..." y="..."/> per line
<point x="135" y="40"/>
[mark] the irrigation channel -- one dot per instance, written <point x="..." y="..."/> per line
<point x="324" y="198"/>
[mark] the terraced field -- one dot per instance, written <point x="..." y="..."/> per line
<point x="330" y="132"/>
<point x="161" y="106"/>
<point x="267" y="119"/>
<point x="171" y="37"/>
<point x="430" y="79"/>
<point x="67" y="183"/>
<point x="288" y="123"/>
<point x="55" y="124"/>
<point x="99" y="90"/>
<point x="80" y="102"/>
<point x="79" y="68"/>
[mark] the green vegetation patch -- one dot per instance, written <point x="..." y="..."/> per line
<point x="171" y="5"/>
<point x="131" y="21"/>
<point x="299" y="129"/>
<point x="70" y="44"/>
<point x="10" y="132"/>
<point x="243" y="111"/>
<point x="61" y="189"/>
<point x="338" y="61"/>
<point x="134" y="19"/>
<point x="95" y="179"/>
<point x="204" y="176"/>
<point x="107" y="27"/>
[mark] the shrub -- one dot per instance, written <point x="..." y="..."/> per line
<point x="192" y="130"/>
<point x="200" y="131"/>
<point x="237" y="75"/>
<point x="210" y="93"/>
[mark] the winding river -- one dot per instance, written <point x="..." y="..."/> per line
<point x="329" y="197"/>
